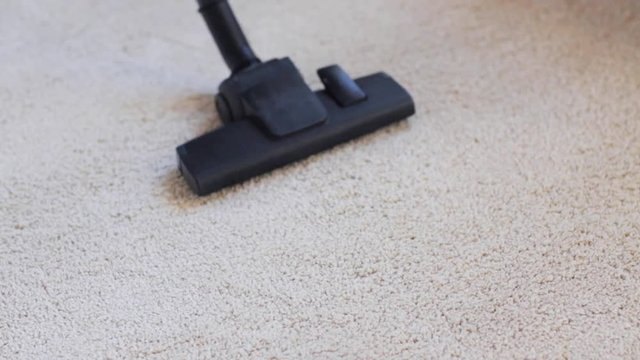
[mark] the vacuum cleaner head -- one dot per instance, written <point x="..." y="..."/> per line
<point x="272" y="117"/>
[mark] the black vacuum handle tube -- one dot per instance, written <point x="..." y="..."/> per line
<point x="226" y="30"/>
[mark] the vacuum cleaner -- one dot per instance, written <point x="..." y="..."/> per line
<point x="272" y="118"/>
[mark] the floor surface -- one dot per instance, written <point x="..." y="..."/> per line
<point x="502" y="221"/>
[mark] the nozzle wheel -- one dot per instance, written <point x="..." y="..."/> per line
<point x="224" y="110"/>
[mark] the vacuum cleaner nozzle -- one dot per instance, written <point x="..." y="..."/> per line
<point x="272" y="117"/>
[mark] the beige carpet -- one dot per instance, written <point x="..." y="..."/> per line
<point x="502" y="221"/>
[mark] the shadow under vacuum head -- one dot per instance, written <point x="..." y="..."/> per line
<point x="272" y="118"/>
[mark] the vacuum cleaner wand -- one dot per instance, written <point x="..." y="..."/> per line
<point x="224" y="27"/>
<point x="272" y="117"/>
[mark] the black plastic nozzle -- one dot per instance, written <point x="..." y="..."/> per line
<point x="226" y="31"/>
<point x="273" y="118"/>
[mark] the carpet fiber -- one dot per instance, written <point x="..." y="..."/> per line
<point x="502" y="221"/>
